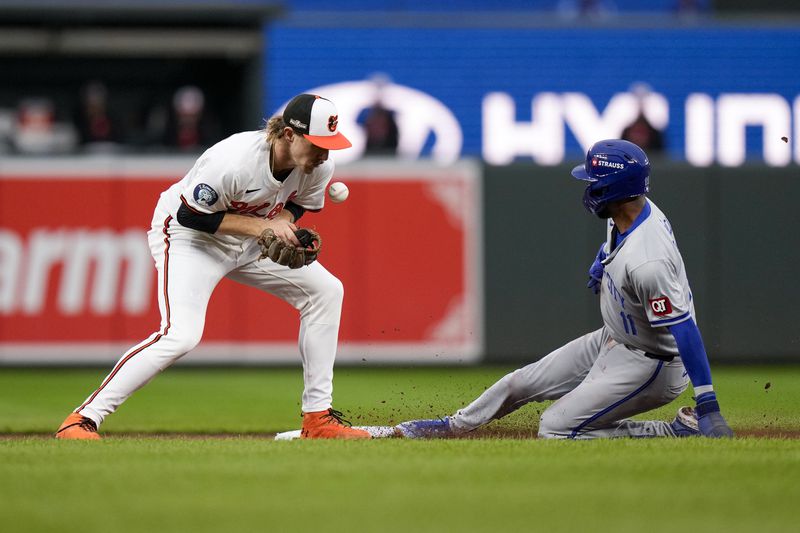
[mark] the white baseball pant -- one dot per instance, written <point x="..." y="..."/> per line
<point x="190" y="265"/>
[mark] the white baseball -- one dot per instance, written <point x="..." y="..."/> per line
<point x="338" y="192"/>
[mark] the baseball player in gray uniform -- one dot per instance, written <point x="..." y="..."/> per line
<point x="211" y="225"/>
<point x="639" y="360"/>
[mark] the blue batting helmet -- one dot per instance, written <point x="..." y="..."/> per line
<point x="616" y="170"/>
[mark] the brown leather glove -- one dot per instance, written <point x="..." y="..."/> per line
<point x="287" y="254"/>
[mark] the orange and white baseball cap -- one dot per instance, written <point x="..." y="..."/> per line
<point x="316" y="119"/>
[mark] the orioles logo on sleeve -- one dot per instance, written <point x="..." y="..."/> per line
<point x="333" y="121"/>
<point x="661" y="306"/>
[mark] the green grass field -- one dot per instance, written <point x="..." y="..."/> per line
<point x="192" y="480"/>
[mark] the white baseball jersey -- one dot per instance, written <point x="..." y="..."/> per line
<point x="645" y="287"/>
<point x="234" y="176"/>
<point x="231" y="176"/>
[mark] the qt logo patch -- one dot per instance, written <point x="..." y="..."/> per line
<point x="205" y="195"/>
<point x="661" y="306"/>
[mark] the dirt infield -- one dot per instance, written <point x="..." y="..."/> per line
<point x="499" y="433"/>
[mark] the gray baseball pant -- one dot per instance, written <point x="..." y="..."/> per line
<point x="597" y="383"/>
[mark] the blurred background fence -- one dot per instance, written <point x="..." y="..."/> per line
<point x="466" y="118"/>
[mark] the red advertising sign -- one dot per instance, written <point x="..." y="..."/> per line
<point x="77" y="282"/>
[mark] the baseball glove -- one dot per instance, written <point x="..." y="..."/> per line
<point x="287" y="254"/>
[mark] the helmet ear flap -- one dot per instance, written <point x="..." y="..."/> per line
<point x="598" y="192"/>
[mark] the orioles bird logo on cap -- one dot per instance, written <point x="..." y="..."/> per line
<point x="333" y="121"/>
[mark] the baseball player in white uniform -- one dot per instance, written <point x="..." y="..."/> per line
<point x="206" y="227"/>
<point x="649" y="342"/>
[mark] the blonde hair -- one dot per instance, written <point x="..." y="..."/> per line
<point x="274" y="128"/>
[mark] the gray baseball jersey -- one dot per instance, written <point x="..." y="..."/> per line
<point x="645" y="287"/>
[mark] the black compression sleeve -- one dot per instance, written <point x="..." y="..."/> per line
<point x="296" y="210"/>
<point x="199" y="221"/>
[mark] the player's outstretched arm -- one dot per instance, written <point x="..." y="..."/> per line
<point x="693" y="354"/>
<point x="282" y="225"/>
<point x="224" y="223"/>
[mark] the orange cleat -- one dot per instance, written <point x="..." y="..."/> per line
<point x="329" y="425"/>
<point x="77" y="426"/>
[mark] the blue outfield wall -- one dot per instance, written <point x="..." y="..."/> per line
<point x="717" y="81"/>
<point x="458" y="6"/>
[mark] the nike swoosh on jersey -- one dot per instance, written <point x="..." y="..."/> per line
<point x="248" y="191"/>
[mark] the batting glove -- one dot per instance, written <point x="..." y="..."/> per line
<point x="596" y="270"/>
<point x="709" y="418"/>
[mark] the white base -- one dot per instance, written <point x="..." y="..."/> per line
<point x="377" y="432"/>
<point x="288" y="435"/>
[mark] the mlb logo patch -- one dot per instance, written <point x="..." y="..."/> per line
<point x="661" y="306"/>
